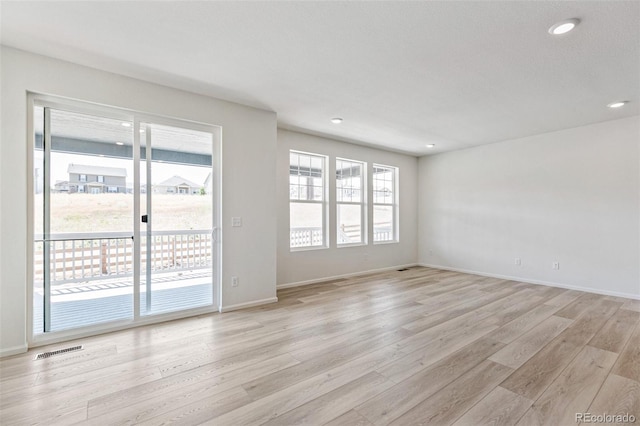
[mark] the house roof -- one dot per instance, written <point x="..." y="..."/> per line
<point x="179" y="181"/>
<point x="84" y="169"/>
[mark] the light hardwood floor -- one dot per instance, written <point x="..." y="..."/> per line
<point x="421" y="346"/>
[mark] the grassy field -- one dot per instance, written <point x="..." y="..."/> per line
<point x="114" y="212"/>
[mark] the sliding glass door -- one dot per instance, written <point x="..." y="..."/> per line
<point x="83" y="237"/>
<point x="177" y="234"/>
<point x="124" y="218"/>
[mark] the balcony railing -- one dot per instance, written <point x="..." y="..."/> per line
<point x="312" y="236"/>
<point x="382" y="232"/>
<point x="79" y="257"/>
<point x="306" y="237"/>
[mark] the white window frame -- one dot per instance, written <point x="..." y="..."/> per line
<point x="100" y="179"/>
<point x="82" y="178"/>
<point x="362" y="203"/>
<point x="394" y="204"/>
<point x="323" y="202"/>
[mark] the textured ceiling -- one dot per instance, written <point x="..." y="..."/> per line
<point x="401" y="74"/>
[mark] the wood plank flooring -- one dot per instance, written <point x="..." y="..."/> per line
<point x="421" y="346"/>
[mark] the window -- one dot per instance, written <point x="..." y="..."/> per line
<point x="83" y="178"/>
<point x="350" y="202"/>
<point x="385" y="204"/>
<point x="100" y="179"/>
<point x="112" y="189"/>
<point x="307" y="200"/>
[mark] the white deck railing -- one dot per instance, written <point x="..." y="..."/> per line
<point x="89" y="256"/>
<point x="312" y="236"/>
<point x="306" y="237"/>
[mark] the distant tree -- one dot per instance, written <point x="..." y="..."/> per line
<point x="203" y="191"/>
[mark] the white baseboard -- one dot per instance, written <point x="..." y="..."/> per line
<point x="15" y="350"/>
<point x="538" y="282"/>
<point x="335" y="277"/>
<point x="248" y="304"/>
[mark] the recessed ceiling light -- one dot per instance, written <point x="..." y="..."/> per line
<point x="617" y="104"/>
<point x="431" y="145"/>
<point x="564" y="27"/>
<point x="125" y="124"/>
<point x="336" y="120"/>
<point x="119" y="143"/>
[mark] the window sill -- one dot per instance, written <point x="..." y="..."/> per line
<point x="351" y="245"/>
<point x="375" y="243"/>
<point x="313" y="248"/>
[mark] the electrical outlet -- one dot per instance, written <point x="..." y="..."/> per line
<point x="236" y="221"/>
<point x="555" y="265"/>
<point x="518" y="261"/>
<point x="234" y="281"/>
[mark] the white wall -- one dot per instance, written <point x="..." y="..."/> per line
<point x="571" y="196"/>
<point x="305" y="266"/>
<point x="249" y="161"/>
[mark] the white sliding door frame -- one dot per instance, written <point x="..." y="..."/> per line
<point x="52" y="102"/>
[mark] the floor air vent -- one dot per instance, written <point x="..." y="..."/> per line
<point x="403" y="269"/>
<point x="58" y="352"/>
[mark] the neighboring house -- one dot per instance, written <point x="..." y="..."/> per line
<point x="61" y="186"/>
<point x="177" y="185"/>
<point x="96" y="179"/>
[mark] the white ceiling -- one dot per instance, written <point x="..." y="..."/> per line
<point x="401" y="74"/>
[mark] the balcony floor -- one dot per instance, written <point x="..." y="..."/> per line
<point x="97" y="301"/>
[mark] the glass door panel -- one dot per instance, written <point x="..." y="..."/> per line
<point x="83" y="210"/>
<point x="176" y="233"/>
<point x="95" y="253"/>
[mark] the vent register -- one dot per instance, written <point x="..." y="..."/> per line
<point x="58" y="352"/>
